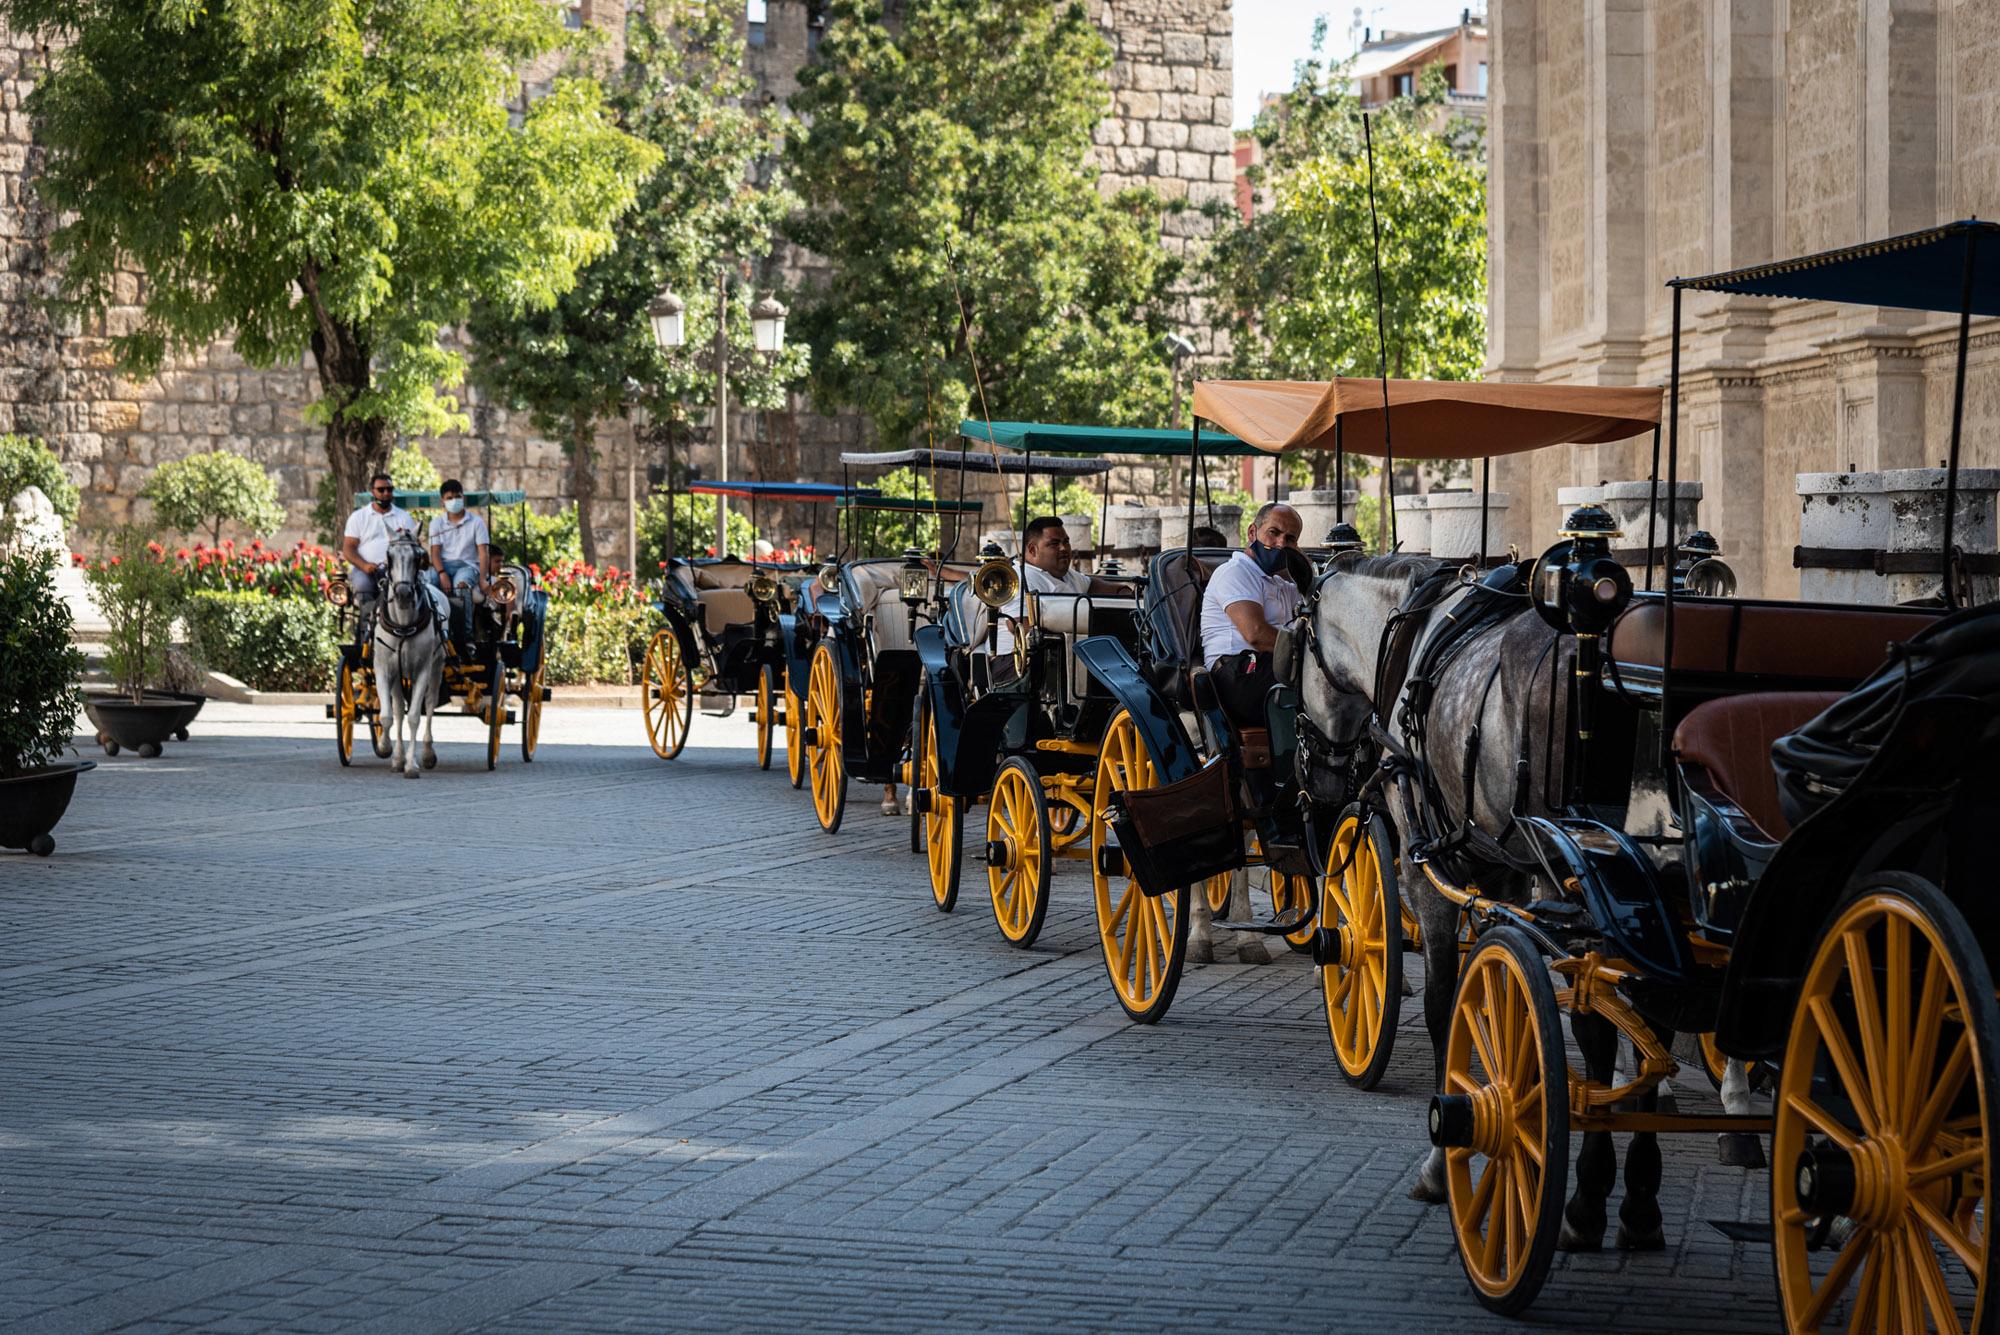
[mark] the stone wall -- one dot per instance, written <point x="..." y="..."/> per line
<point x="1167" y="126"/>
<point x="1633" y="142"/>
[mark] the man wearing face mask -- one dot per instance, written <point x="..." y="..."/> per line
<point x="1248" y="598"/>
<point x="364" y="543"/>
<point x="461" y="556"/>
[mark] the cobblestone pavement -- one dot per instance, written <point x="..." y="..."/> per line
<point x="607" y="1042"/>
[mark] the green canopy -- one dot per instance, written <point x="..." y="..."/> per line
<point x="909" y="505"/>
<point x="430" y="500"/>
<point x="1052" y="438"/>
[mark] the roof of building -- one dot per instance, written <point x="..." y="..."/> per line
<point x="1380" y="57"/>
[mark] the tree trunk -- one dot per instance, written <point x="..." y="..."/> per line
<point x="354" y="448"/>
<point x="583" y="482"/>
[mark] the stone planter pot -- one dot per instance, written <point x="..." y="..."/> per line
<point x="32" y="804"/>
<point x="1454" y="523"/>
<point x="1627" y="504"/>
<point x="1896" y="513"/>
<point x="1133" y="529"/>
<point x="1006" y="539"/>
<point x="1174" y="523"/>
<point x="1319" y="511"/>
<point x="1413" y="525"/>
<point x="122" y="725"/>
<point x="1078" y="527"/>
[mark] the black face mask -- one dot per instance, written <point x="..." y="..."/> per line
<point x="1270" y="560"/>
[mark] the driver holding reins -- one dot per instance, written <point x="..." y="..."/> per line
<point x="365" y="541"/>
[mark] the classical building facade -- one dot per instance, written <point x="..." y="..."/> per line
<point x="1636" y="140"/>
<point x="1166" y="125"/>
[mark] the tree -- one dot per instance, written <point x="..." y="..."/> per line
<point x="945" y="175"/>
<point x="26" y="462"/>
<point x="342" y="179"/>
<point x="1295" y="286"/>
<point x="206" y="491"/>
<point x="682" y="89"/>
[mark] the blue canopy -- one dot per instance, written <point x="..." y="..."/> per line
<point x="1923" y="271"/>
<point x="789" y="491"/>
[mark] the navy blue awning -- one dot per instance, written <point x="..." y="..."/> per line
<point x="1923" y="271"/>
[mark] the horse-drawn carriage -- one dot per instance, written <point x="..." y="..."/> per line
<point x="1675" y="812"/>
<point x="729" y="624"/>
<point x="397" y="633"/>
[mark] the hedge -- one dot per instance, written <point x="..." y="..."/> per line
<point x="595" y="642"/>
<point x="268" y="644"/>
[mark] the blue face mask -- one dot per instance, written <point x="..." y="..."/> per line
<point x="1270" y="560"/>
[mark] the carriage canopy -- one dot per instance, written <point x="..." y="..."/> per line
<point x="1060" y="439"/>
<point x="971" y="462"/>
<point x="1432" y="419"/>
<point x="431" y="500"/>
<point x="783" y="491"/>
<point x="1922" y="271"/>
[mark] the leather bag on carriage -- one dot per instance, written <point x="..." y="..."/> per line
<point x="1181" y="833"/>
<point x="1960" y="655"/>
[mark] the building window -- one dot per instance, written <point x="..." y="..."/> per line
<point x="1404" y="85"/>
<point x="1451" y="77"/>
<point x="573" y="16"/>
<point x="1482" y="78"/>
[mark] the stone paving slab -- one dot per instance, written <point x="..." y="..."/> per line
<point x="604" y="1043"/>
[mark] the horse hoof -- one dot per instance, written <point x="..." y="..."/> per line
<point x="1253" y="951"/>
<point x="412" y="772"/>
<point x="1641" y="1240"/>
<point x="1430" y="1180"/>
<point x="430" y="760"/>
<point x="1426" y="1193"/>
<point x="1739" y="1149"/>
<point x="1200" y="950"/>
<point x="1572" y="1241"/>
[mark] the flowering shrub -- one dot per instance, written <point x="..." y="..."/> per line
<point x="302" y="572"/>
<point x="598" y="620"/>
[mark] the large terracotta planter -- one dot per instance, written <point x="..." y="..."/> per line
<point x="123" y="725"/>
<point x="32" y="804"/>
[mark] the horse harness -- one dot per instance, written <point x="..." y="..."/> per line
<point x="400" y="633"/>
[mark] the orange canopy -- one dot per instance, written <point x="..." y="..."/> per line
<point x="1428" y="419"/>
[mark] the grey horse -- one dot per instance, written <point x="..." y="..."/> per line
<point x="408" y="654"/>
<point x="1496" y="688"/>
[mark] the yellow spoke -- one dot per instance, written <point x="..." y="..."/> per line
<point x="1930" y="1279"/>
<point x="1896" y="1017"/>
<point x="1948" y="1233"/>
<point x="1955" y="1163"/>
<point x="1823" y="1121"/>
<point x="1867" y="1017"/>
<point x="1923" y="1128"/>
<point x="1842" y="1055"/>
<point x="1495" y="1213"/>
<point x="1833" y="1285"/>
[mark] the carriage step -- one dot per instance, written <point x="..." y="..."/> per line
<point x="1284" y="925"/>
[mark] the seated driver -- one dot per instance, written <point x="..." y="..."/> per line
<point x="461" y="556"/>
<point x="1248" y="598"/>
<point x="1048" y="555"/>
<point x="364" y="543"/>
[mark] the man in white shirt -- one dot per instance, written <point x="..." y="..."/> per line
<point x="1045" y="545"/>
<point x="461" y="555"/>
<point x="365" y="541"/>
<point x="1248" y="598"/>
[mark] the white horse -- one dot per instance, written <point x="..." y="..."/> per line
<point x="409" y="652"/>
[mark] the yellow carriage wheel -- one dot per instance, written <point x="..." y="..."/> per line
<point x="1287" y="894"/>
<point x="1216" y="891"/>
<point x="1884" y="1116"/>
<point x="766" y="724"/>
<point x="1019" y="852"/>
<point x="346" y="709"/>
<point x="1504" y="1120"/>
<point x="669" y="690"/>
<point x="824" y="756"/>
<point x="1362" y="980"/>
<point x="944" y="825"/>
<point x="1144" y="937"/>
<point x="795" y="724"/>
<point x="531" y="715"/>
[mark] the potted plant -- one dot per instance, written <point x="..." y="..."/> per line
<point x="140" y="595"/>
<point x="40" y="675"/>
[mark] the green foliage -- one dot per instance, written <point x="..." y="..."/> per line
<point x="412" y="470"/>
<point x="1295" y="287"/>
<point x="39" y="668"/>
<point x="883" y="533"/>
<point x="550" y="538"/>
<point x="205" y="491"/>
<point x="1069" y="497"/>
<point x="342" y="179"/>
<point x="268" y="644"/>
<point x="596" y="642"/>
<point x="944" y="174"/>
<point x="683" y="91"/>
<point x="26" y="462"/>
<point x="693" y="533"/>
<point x="140" y="595"/>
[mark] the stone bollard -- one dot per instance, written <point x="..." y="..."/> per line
<point x="1319" y="511"/>
<point x="1413" y="525"/>
<point x="1627" y="502"/>
<point x="1006" y="539"/>
<point x="1078" y="527"/>
<point x="1228" y="518"/>
<point x="1454" y="523"/>
<point x="1132" y="529"/>
<point x="1875" y="537"/>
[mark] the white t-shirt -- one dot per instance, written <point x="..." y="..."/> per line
<point x="460" y="541"/>
<point x="1239" y="580"/>
<point x="374" y="530"/>
<point x="1039" y="581"/>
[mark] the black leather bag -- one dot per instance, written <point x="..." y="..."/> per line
<point x="1960" y="655"/>
<point x="1181" y="833"/>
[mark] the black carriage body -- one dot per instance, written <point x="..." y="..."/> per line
<point x="734" y="653"/>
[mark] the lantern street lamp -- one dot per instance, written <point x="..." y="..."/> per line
<point x="669" y="326"/>
<point x="767" y="325"/>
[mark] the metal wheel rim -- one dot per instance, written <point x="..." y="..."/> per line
<point x="1017" y="816"/>
<point x="1356" y="991"/>
<point x="1143" y="937"/>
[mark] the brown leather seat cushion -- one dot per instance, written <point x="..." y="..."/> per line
<point x="1811" y="641"/>
<point x="724" y="575"/>
<point x="1731" y="739"/>
<point x="726" y="607"/>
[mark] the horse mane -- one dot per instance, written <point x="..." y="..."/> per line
<point x="1393" y="565"/>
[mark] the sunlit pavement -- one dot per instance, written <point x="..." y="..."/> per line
<point x="605" y="1041"/>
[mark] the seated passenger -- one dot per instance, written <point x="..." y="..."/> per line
<point x="1248" y="598"/>
<point x="364" y="543"/>
<point x="1048" y="555"/>
<point x="461" y="555"/>
<point x="1206" y="536"/>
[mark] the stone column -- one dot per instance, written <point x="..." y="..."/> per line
<point x="1413" y="524"/>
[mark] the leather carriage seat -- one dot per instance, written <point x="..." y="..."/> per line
<point x="1742" y="637"/>
<point x="1731" y="739"/>
<point x="726" y="607"/>
<point x="1173" y="601"/>
<point x="965" y="627"/>
<point x="730" y="574"/>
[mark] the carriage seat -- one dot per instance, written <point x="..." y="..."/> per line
<point x="1076" y="617"/>
<point x="1172" y="616"/>
<point x="721" y="589"/>
<point x="1730" y="740"/>
<point x="966" y="618"/>
<point x="1818" y="643"/>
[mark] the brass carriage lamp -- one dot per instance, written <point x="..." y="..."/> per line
<point x="767" y="325"/>
<point x="339" y="592"/>
<point x="505" y="590"/>
<point x="1699" y="569"/>
<point x="913" y="580"/>
<point x="763" y="587"/>
<point x="668" y="316"/>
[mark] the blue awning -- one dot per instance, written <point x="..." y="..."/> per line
<point x="1922" y="271"/>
